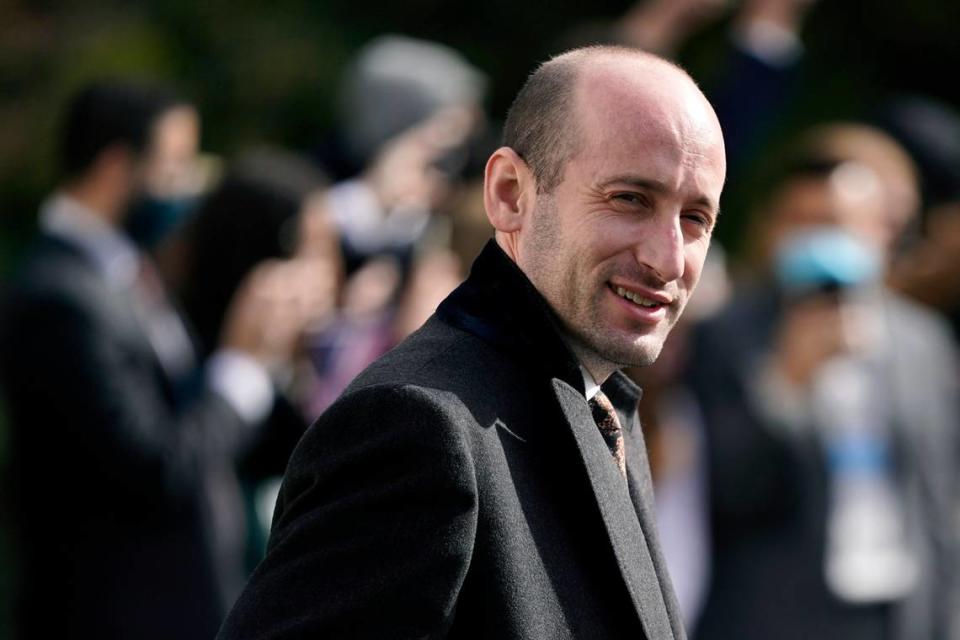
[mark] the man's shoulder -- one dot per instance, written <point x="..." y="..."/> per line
<point x="905" y="311"/>
<point x="405" y="426"/>
<point x="51" y="268"/>
<point x="441" y="357"/>
<point x="917" y="329"/>
<point x="441" y="382"/>
<point x="56" y="293"/>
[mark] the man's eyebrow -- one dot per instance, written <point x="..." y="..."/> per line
<point x="660" y="187"/>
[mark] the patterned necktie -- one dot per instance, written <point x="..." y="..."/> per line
<point x="609" y="425"/>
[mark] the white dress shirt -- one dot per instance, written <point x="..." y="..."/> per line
<point x="590" y="386"/>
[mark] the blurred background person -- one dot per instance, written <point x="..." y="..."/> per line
<point x="268" y="207"/>
<point x="830" y="410"/>
<point x="123" y="442"/>
<point x="411" y="124"/>
<point x="379" y="306"/>
<point x="928" y="267"/>
<point x="409" y="111"/>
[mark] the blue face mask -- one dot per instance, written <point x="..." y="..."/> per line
<point x="825" y="258"/>
<point x="150" y="219"/>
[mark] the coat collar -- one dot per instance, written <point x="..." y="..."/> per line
<point x="500" y="305"/>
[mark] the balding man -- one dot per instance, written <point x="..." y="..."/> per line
<point x="487" y="478"/>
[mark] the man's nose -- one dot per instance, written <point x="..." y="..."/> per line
<point x="660" y="249"/>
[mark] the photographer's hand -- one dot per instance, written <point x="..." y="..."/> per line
<point x="810" y="332"/>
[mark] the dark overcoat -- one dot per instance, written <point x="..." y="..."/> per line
<point x="460" y="488"/>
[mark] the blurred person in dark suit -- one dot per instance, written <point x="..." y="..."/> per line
<point x="122" y="443"/>
<point x="831" y="413"/>
<point x="487" y="478"/>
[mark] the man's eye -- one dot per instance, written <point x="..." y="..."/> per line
<point x="698" y="219"/>
<point x="632" y="198"/>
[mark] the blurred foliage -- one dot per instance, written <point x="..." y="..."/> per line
<point x="267" y="72"/>
<point x="7" y="553"/>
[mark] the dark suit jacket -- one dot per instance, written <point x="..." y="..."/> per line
<point x="112" y="461"/>
<point x="460" y="488"/>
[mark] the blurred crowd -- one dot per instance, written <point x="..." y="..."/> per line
<point x="181" y="318"/>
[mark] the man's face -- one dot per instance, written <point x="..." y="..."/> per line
<point x="618" y="246"/>
<point x="166" y="179"/>
<point x="168" y="168"/>
<point x="850" y="198"/>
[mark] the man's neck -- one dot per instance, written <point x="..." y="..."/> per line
<point x="599" y="370"/>
<point x="96" y="201"/>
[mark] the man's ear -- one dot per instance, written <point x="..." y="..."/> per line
<point x="509" y="190"/>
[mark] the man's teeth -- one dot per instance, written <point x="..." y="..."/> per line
<point x="638" y="299"/>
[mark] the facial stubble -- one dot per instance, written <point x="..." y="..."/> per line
<point x="577" y="299"/>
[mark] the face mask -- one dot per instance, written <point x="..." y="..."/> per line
<point x="150" y="219"/>
<point x="825" y="259"/>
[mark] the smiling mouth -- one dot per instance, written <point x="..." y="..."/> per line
<point x="637" y="299"/>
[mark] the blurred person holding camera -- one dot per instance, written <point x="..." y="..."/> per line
<point x="121" y="438"/>
<point x="410" y="115"/>
<point x="830" y="407"/>
<point x="410" y="126"/>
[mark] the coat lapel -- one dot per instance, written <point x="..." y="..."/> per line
<point x="641" y="494"/>
<point x="627" y="537"/>
<point x="626" y="396"/>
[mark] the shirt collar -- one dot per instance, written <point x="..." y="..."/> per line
<point x="590" y="386"/>
<point x="113" y="253"/>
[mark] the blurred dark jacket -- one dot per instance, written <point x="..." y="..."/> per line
<point x="113" y="461"/>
